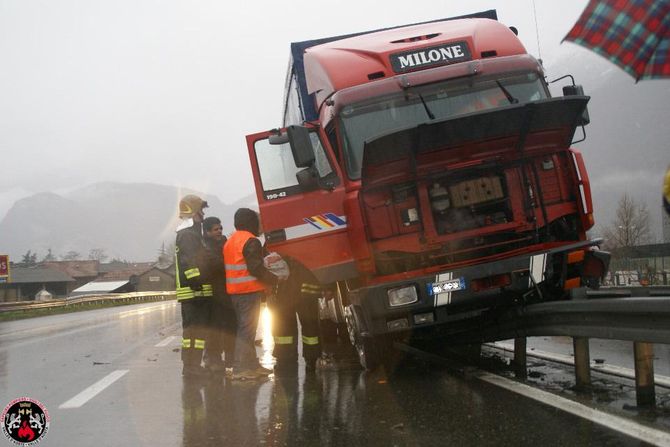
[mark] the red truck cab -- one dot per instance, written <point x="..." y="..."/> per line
<point x="427" y="173"/>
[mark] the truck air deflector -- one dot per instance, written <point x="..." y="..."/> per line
<point x="556" y="117"/>
<point x="297" y="64"/>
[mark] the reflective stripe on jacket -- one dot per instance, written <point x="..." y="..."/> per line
<point x="238" y="278"/>
<point x="188" y="249"/>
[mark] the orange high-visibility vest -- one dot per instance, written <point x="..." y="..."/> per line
<point x="238" y="278"/>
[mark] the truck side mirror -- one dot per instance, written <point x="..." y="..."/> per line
<point x="301" y="146"/>
<point x="578" y="90"/>
<point x="308" y="178"/>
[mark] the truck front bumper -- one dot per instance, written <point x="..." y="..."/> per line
<point x="452" y="298"/>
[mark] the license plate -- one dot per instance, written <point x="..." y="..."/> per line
<point x="451" y="285"/>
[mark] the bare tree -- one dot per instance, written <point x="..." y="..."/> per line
<point x="49" y="256"/>
<point x="630" y="226"/>
<point x="97" y="254"/>
<point x="71" y="256"/>
<point x="29" y="259"/>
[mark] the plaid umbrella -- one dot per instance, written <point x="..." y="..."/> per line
<point x="634" y="34"/>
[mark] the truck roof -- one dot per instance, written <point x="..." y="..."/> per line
<point x="298" y="49"/>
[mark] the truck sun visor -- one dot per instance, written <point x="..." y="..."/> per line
<point x="559" y="115"/>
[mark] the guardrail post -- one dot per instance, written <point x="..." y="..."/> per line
<point x="520" y="356"/>
<point x="580" y="347"/>
<point x="644" y="374"/>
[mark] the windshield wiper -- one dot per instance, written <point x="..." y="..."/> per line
<point x="508" y="95"/>
<point x="404" y="84"/>
<point x="425" y="106"/>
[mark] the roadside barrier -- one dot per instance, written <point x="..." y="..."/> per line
<point x="127" y="298"/>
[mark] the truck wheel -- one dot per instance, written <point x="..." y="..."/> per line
<point x="367" y="353"/>
<point x="365" y="346"/>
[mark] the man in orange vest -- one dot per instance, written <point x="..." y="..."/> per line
<point x="246" y="280"/>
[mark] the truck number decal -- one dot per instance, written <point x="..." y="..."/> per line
<point x="276" y="195"/>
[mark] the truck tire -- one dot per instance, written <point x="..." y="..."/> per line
<point x="365" y="346"/>
<point x="368" y="354"/>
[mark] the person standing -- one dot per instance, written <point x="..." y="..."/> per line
<point x="223" y="324"/>
<point x="298" y="295"/>
<point x="193" y="291"/>
<point x="246" y="280"/>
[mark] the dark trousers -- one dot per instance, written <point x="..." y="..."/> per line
<point x="285" y="327"/>
<point x="223" y="326"/>
<point x="195" y="313"/>
<point x="247" y="310"/>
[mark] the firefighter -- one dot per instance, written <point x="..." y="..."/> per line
<point x="298" y="295"/>
<point x="246" y="280"/>
<point x="193" y="291"/>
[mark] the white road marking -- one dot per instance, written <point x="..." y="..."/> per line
<point x="166" y="342"/>
<point x="616" y="423"/>
<point x="93" y="390"/>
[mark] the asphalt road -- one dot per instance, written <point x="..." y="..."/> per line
<point x="111" y="377"/>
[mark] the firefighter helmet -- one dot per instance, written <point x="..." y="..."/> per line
<point x="191" y="205"/>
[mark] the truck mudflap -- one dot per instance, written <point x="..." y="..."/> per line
<point x="452" y="297"/>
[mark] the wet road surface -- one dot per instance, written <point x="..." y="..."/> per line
<point x="130" y="356"/>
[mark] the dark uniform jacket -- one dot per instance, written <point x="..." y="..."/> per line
<point x="190" y="269"/>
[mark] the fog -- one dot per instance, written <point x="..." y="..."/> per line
<point x="165" y="91"/>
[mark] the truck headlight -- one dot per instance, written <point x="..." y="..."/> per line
<point x="402" y="296"/>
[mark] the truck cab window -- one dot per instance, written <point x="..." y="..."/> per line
<point x="278" y="170"/>
<point x="321" y="160"/>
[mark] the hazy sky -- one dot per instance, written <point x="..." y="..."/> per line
<point x="164" y="91"/>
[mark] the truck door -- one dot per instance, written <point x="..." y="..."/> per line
<point x="301" y="204"/>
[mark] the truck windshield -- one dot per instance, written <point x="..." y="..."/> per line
<point x="361" y="122"/>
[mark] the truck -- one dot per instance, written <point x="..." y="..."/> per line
<point x="425" y="174"/>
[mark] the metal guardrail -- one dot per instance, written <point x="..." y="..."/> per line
<point x="637" y="291"/>
<point x="637" y="319"/>
<point x="632" y="319"/>
<point x="640" y="315"/>
<point x="88" y="299"/>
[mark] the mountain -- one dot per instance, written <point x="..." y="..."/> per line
<point x="128" y="221"/>
<point x="626" y="151"/>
